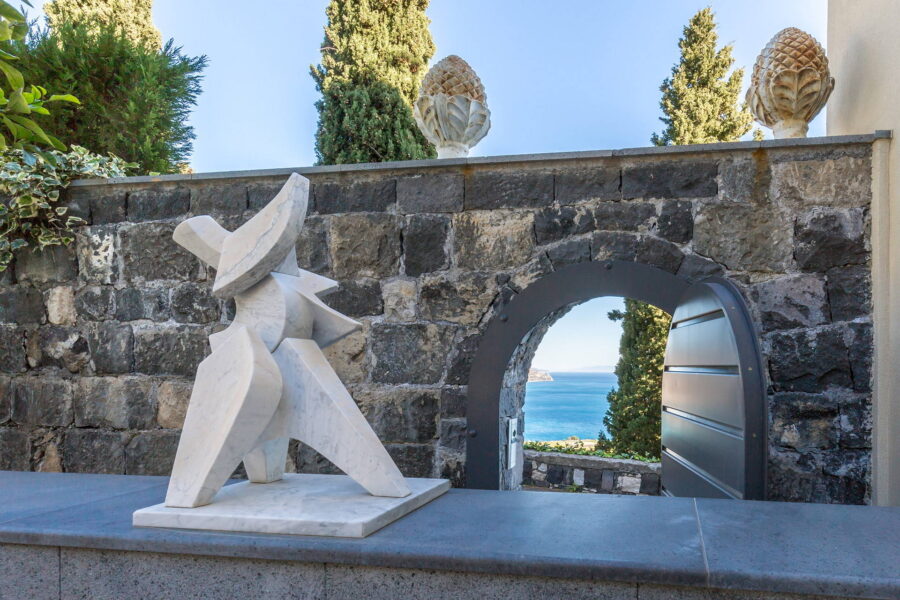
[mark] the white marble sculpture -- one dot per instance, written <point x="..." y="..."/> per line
<point x="451" y="110"/>
<point x="267" y="381"/>
<point x="790" y="83"/>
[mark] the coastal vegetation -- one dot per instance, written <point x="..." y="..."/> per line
<point x="700" y="103"/>
<point x="585" y="449"/>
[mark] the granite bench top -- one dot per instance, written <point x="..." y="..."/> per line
<point x="769" y="546"/>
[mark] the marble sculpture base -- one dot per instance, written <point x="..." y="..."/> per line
<point x="299" y="504"/>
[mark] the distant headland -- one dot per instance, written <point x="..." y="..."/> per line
<point x="539" y="375"/>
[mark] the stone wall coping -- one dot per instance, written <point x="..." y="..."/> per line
<point x="582" y="461"/>
<point x="551" y="157"/>
<point x="847" y="551"/>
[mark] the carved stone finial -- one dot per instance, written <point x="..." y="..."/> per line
<point x="790" y="84"/>
<point x="452" y="110"/>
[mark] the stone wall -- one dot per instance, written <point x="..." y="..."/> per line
<point x="100" y="341"/>
<point x="592" y="474"/>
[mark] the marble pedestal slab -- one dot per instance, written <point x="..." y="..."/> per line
<point x="299" y="504"/>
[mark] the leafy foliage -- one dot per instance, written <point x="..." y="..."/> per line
<point x="132" y="19"/>
<point x="135" y="100"/>
<point x="581" y="450"/>
<point x="633" y="416"/>
<point x="700" y="99"/>
<point x="18" y="101"/>
<point x="374" y="56"/>
<point x="366" y="123"/>
<point x="31" y="184"/>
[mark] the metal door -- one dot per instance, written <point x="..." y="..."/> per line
<point x="713" y="398"/>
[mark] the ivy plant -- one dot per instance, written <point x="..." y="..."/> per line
<point x="31" y="186"/>
<point x="34" y="165"/>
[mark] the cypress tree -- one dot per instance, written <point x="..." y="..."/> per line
<point x="129" y="18"/>
<point x="700" y="100"/>
<point x="374" y="56"/>
<point x="633" y="417"/>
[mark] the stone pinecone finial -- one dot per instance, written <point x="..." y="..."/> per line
<point x="790" y="84"/>
<point x="451" y="110"/>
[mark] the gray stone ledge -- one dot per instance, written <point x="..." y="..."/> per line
<point x="706" y="545"/>
<point x="548" y="158"/>
<point x="592" y="462"/>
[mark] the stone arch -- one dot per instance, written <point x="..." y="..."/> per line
<point x="514" y="333"/>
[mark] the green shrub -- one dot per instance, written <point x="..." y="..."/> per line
<point x="135" y="100"/>
<point x="580" y="450"/>
<point x="31" y="186"/>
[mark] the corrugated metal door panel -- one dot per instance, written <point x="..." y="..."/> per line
<point x="713" y="420"/>
<point x="704" y="344"/>
<point x="717" y="452"/>
<point x="718" y="397"/>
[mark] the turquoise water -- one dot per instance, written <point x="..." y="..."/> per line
<point x="571" y="404"/>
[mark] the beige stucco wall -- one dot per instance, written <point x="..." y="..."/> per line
<point x="864" y="52"/>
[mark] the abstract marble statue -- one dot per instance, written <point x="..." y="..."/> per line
<point x="451" y="110"/>
<point x="267" y="381"/>
<point x="790" y="84"/>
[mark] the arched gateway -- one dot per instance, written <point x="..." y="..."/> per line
<point x="714" y="411"/>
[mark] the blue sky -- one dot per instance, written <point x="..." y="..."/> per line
<point x="560" y="76"/>
<point x="563" y="75"/>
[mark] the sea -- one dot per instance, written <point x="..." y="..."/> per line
<point x="571" y="404"/>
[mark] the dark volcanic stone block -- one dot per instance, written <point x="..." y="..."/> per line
<point x="149" y="253"/>
<point x="260" y="194"/>
<point x="151" y="453"/>
<point x="115" y="402"/>
<point x="50" y="264"/>
<point x="133" y="304"/>
<point x="850" y="292"/>
<point x="42" y="402"/>
<point x="155" y="203"/>
<point x="107" y="206"/>
<point x="94" y="303"/>
<point x="425" y="244"/>
<point x="365" y="245"/>
<point x="21" y="304"/>
<point x="826" y="238"/>
<point x="675" y="222"/>
<point x="12" y="348"/>
<point x="360" y="196"/>
<point x="791" y="302"/>
<point x="169" y="351"/>
<point x="461" y="355"/>
<point x="623" y="216"/>
<point x="194" y="303"/>
<point x="570" y="252"/>
<point x="601" y="183"/>
<point x="218" y="199"/>
<point x="487" y="190"/>
<point x="15" y="450"/>
<point x="698" y="268"/>
<point x="312" y="246"/>
<point x="112" y="347"/>
<point x="94" y="451"/>
<point x="357" y="298"/>
<point x="410" y="353"/>
<point x="413" y="460"/>
<point x="670" y="180"/>
<point x="650" y="484"/>
<point x="453" y="403"/>
<point x="555" y="223"/>
<point x="431" y="193"/>
<point x="809" y="361"/>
